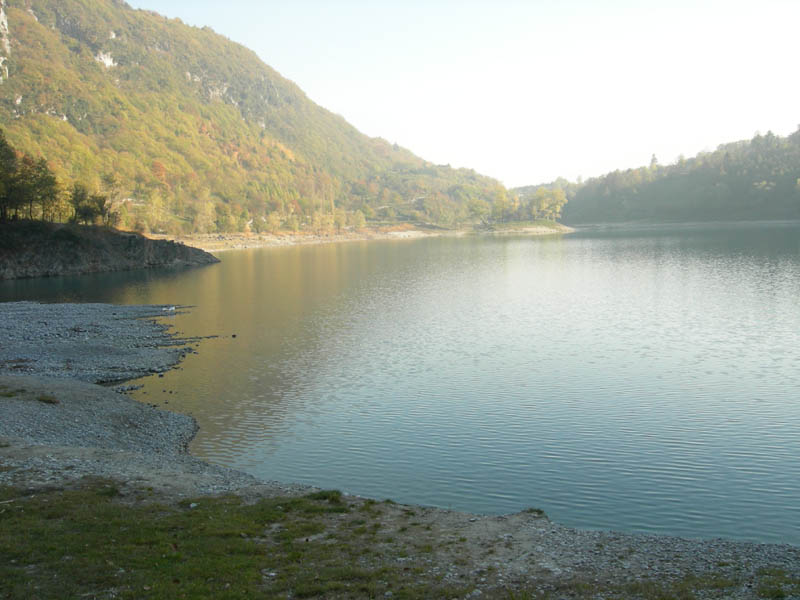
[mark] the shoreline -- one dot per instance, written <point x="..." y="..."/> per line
<point x="58" y="428"/>
<point x="221" y="242"/>
<point x="686" y="225"/>
<point x="35" y="249"/>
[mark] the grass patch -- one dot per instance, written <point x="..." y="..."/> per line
<point x="108" y="491"/>
<point x="536" y="512"/>
<point x="770" y="590"/>
<point x="692" y="587"/>
<point x="333" y="496"/>
<point x="47" y="399"/>
<point x="371" y="507"/>
<point x="90" y="543"/>
<point x="7" y="393"/>
<point x="775" y="582"/>
<point x="93" y="542"/>
<point x="776" y="573"/>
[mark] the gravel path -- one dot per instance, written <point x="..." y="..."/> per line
<point x="56" y="427"/>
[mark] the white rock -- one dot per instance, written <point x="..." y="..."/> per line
<point x="106" y="59"/>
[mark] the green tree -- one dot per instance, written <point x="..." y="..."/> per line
<point x="479" y="209"/>
<point x="501" y="208"/>
<point x="100" y="209"/>
<point x="745" y="180"/>
<point x="358" y="220"/>
<point x="8" y="174"/>
<point x="22" y="190"/>
<point x="79" y="199"/>
<point x="340" y="219"/>
<point x="144" y="126"/>
<point x="273" y="222"/>
<point x="224" y="220"/>
<point x="45" y="189"/>
<point x="110" y="186"/>
<point x="203" y="218"/>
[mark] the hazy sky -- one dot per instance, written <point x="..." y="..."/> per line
<point x="529" y="90"/>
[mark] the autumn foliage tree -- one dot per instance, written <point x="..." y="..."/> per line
<point x="28" y="187"/>
<point x="748" y="180"/>
<point x="184" y="118"/>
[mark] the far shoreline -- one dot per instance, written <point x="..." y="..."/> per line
<point x="682" y="225"/>
<point x="221" y="242"/>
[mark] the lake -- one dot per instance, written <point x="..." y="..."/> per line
<point x="635" y="380"/>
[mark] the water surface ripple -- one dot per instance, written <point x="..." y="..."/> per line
<point x="643" y="381"/>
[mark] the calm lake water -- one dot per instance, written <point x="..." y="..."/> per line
<point x="640" y="381"/>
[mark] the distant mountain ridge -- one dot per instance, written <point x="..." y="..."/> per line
<point x="750" y="180"/>
<point x="199" y="133"/>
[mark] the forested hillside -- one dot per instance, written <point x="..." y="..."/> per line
<point x="757" y="179"/>
<point x="184" y="130"/>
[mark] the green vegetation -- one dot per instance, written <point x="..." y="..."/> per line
<point x="25" y="183"/>
<point x="94" y="541"/>
<point x="776" y="583"/>
<point x="88" y="543"/>
<point x="6" y="392"/>
<point x="712" y="586"/>
<point x="18" y="235"/>
<point x="757" y="179"/>
<point x="181" y="130"/>
<point x="539" y="204"/>
<point x="47" y="399"/>
<point x="29" y="188"/>
<point x="41" y="249"/>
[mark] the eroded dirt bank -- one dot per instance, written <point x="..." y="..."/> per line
<point x="33" y="249"/>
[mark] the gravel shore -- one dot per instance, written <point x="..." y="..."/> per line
<point x="96" y="343"/>
<point x="57" y="427"/>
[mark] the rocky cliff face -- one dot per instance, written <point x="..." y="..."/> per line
<point x="34" y="249"/>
